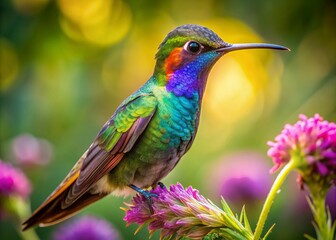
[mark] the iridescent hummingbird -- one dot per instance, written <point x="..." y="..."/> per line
<point x="149" y="132"/>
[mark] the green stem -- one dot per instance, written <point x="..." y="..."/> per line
<point x="321" y="216"/>
<point x="29" y="235"/>
<point x="23" y="211"/>
<point x="20" y="210"/>
<point x="270" y="198"/>
<point x="324" y="229"/>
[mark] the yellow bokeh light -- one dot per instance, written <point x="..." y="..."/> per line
<point x="81" y="11"/>
<point x="137" y="59"/>
<point x="230" y="91"/>
<point x="101" y="22"/>
<point x="239" y="83"/>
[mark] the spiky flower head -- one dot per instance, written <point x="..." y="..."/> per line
<point x="86" y="228"/>
<point x="312" y="143"/>
<point x="13" y="182"/>
<point x="180" y="212"/>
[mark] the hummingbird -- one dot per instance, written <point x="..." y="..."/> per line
<point x="149" y="132"/>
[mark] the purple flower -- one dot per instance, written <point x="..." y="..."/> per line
<point x="241" y="177"/>
<point x="310" y="138"/>
<point x="180" y="212"/>
<point x="13" y="182"/>
<point x="86" y="228"/>
<point x="331" y="202"/>
<point x="30" y="151"/>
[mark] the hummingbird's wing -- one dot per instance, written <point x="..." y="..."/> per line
<point x="116" y="138"/>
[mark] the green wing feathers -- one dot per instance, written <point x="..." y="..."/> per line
<point x="141" y="107"/>
<point x="116" y="138"/>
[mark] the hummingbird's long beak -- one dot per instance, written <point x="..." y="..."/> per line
<point x="241" y="46"/>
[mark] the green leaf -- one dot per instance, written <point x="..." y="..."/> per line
<point x="226" y="207"/>
<point x="311" y="205"/>
<point x="234" y="235"/>
<point x="246" y="221"/>
<point x="268" y="232"/>
<point x="241" y="214"/>
<point x="309" y="237"/>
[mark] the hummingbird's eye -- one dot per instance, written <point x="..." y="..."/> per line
<point x="193" y="47"/>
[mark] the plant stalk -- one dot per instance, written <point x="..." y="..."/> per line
<point x="270" y="198"/>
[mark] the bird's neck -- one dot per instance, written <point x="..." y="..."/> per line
<point x="185" y="79"/>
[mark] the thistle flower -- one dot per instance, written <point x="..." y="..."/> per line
<point x="13" y="182"/>
<point x="311" y="139"/>
<point x="86" y="228"/>
<point x="180" y="212"/>
<point x="309" y="146"/>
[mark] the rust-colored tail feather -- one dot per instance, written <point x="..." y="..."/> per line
<point x="52" y="212"/>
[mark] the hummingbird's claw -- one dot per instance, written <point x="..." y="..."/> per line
<point x="147" y="194"/>
<point x="161" y="185"/>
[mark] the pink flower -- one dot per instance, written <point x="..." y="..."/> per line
<point x="30" y="151"/>
<point x="180" y="212"/>
<point x="311" y="138"/>
<point x="13" y="182"/>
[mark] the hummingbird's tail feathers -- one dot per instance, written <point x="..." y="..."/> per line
<point x="56" y="197"/>
<point x="52" y="212"/>
<point x="61" y="214"/>
<point x="67" y="182"/>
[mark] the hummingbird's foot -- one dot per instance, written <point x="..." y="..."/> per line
<point x="161" y="185"/>
<point x="147" y="194"/>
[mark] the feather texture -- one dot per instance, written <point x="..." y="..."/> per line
<point x="148" y="133"/>
<point x="104" y="154"/>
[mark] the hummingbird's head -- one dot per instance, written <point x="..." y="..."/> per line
<point x="186" y="56"/>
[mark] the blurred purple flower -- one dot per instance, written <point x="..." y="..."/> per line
<point x="310" y="138"/>
<point x="13" y="182"/>
<point x="86" y="228"/>
<point x="30" y="151"/>
<point x="331" y="202"/>
<point x="241" y="177"/>
<point x="180" y="212"/>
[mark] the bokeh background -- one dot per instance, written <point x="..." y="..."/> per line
<point x="65" y="66"/>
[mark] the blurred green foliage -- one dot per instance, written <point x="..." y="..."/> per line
<point x="66" y="65"/>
